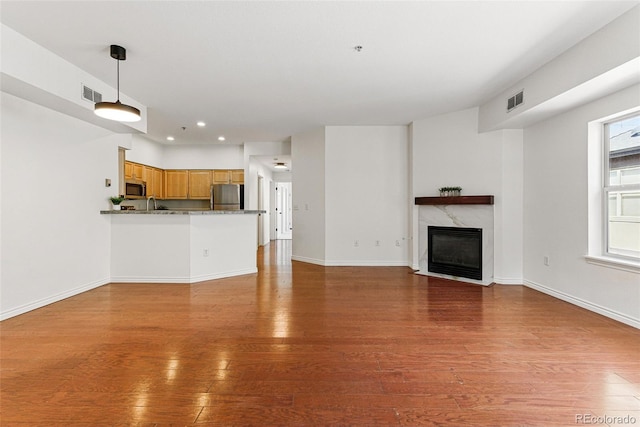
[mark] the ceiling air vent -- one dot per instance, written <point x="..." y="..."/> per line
<point x="515" y="100"/>
<point x="91" y="95"/>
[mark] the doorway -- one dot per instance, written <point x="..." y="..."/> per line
<point x="260" y="207"/>
<point x="284" y="214"/>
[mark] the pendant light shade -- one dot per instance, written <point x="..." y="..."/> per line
<point x="280" y="165"/>
<point x="117" y="110"/>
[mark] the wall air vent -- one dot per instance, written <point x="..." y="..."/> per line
<point x="515" y="100"/>
<point x="91" y="95"/>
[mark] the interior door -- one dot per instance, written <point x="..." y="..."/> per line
<point x="284" y="214"/>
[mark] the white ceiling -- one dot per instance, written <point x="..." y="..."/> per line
<point x="258" y="71"/>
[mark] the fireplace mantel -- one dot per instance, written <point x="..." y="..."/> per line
<point x="455" y="200"/>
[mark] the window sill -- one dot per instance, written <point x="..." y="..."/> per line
<point x="618" y="264"/>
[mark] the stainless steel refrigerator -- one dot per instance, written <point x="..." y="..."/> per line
<point x="225" y="197"/>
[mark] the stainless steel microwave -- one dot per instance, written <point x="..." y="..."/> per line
<point x="135" y="189"/>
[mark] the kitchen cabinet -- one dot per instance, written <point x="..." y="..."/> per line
<point x="237" y="176"/>
<point x="199" y="184"/>
<point x="228" y="176"/>
<point x="134" y="171"/>
<point x="221" y="177"/>
<point x="192" y="184"/>
<point x="176" y="184"/>
<point x="154" y="179"/>
<point x="158" y="183"/>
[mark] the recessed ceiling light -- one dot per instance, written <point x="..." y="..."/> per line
<point x="201" y="124"/>
<point x="221" y="138"/>
<point x="170" y="138"/>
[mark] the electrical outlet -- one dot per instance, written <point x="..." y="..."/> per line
<point x="397" y="242"/>
<point x="356" y="243"/>
<point x="377" y="242"/>
<point x="546" y="260"/>
<point x="205" y="252"/>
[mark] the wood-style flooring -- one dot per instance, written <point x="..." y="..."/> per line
<point x="303" y="345"/>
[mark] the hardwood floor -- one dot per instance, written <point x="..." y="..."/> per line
<point x="299" y="344"/>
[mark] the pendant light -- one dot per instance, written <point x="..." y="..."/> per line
<point x="280" y="165"/>
<point x="117" y="110"/>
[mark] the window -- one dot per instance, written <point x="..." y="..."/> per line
<point x="622" y="188"/>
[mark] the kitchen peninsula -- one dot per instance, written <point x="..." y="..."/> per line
<point x="171" y="246"/>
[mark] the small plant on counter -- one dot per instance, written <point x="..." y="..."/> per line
<point x="115" y="202"/>
<point x="449" y="191"/>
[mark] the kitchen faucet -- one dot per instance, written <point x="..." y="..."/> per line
<point x="154" y="202"/>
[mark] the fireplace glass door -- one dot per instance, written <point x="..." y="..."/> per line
<point x="455" y="251"/>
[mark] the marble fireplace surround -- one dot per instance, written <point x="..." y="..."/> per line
<point x="463" y="211"/>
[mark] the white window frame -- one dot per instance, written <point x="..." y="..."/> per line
<point x="599" y="190"/>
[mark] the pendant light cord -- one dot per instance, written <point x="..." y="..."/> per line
<point x="118" y="78"/>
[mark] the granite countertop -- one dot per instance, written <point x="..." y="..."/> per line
<point x="185" y="212"/>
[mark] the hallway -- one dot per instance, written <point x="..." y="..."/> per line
<point x="301" y="344"/>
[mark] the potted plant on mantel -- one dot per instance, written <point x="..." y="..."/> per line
<point x="115" y="202"/>
<point x="450" y="191"/>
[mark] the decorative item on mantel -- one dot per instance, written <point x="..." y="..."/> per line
<point x="450" y="191"/>
<point x="115" y="202"/>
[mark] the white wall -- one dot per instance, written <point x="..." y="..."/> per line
<point x="367" y="200"/>
<point x="308" y="158"/>
<point x="145" y="151"/>
<point x="556" y="219"/>
<point x="605" y="61"/>
<point x="54" y="243"/>
<point x="449" y="151"/>
<point x="257" y="169"/>
<point x="216" y="156"/>
<point x="37" y="74"/>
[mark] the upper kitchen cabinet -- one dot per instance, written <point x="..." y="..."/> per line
<point x="228" y="176"/>
<point x="154" y="178"/>
<point x="134" y="171"/>
<point x="158" y="183"/>
<point x="200" y="184"/>
<point x="176" y="184"/>
<point x="237" y="176"/>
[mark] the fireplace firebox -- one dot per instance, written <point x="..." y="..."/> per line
<point x="455" y="251"/>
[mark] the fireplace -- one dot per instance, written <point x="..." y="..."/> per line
<point x="455" y="251"/>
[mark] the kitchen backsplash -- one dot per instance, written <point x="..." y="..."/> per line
<point x="169" y="204"/>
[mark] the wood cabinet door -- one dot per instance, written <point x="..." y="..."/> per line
<point x="158" y="183"/>
<point x="147" y="176"/>
<point x="237" y="176"/>
<point x="221" y="176"/>
<point x="176" y="184"/>
<point x="138" y="171"/>
<point x="128" y="170"/>
<point x="199" y="184"/>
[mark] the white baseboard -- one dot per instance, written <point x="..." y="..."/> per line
<point x="205" y="277"/>
<point x="612" y="314"/>
<point x="149" y="279"/>
<point x="508" y="280"/>
<point x="182" y="279"/>
<point x="307" y="260"/>
<point x="352" y="263"/>
<point x="365" y="263"/>
<point x="51" y="299"/>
